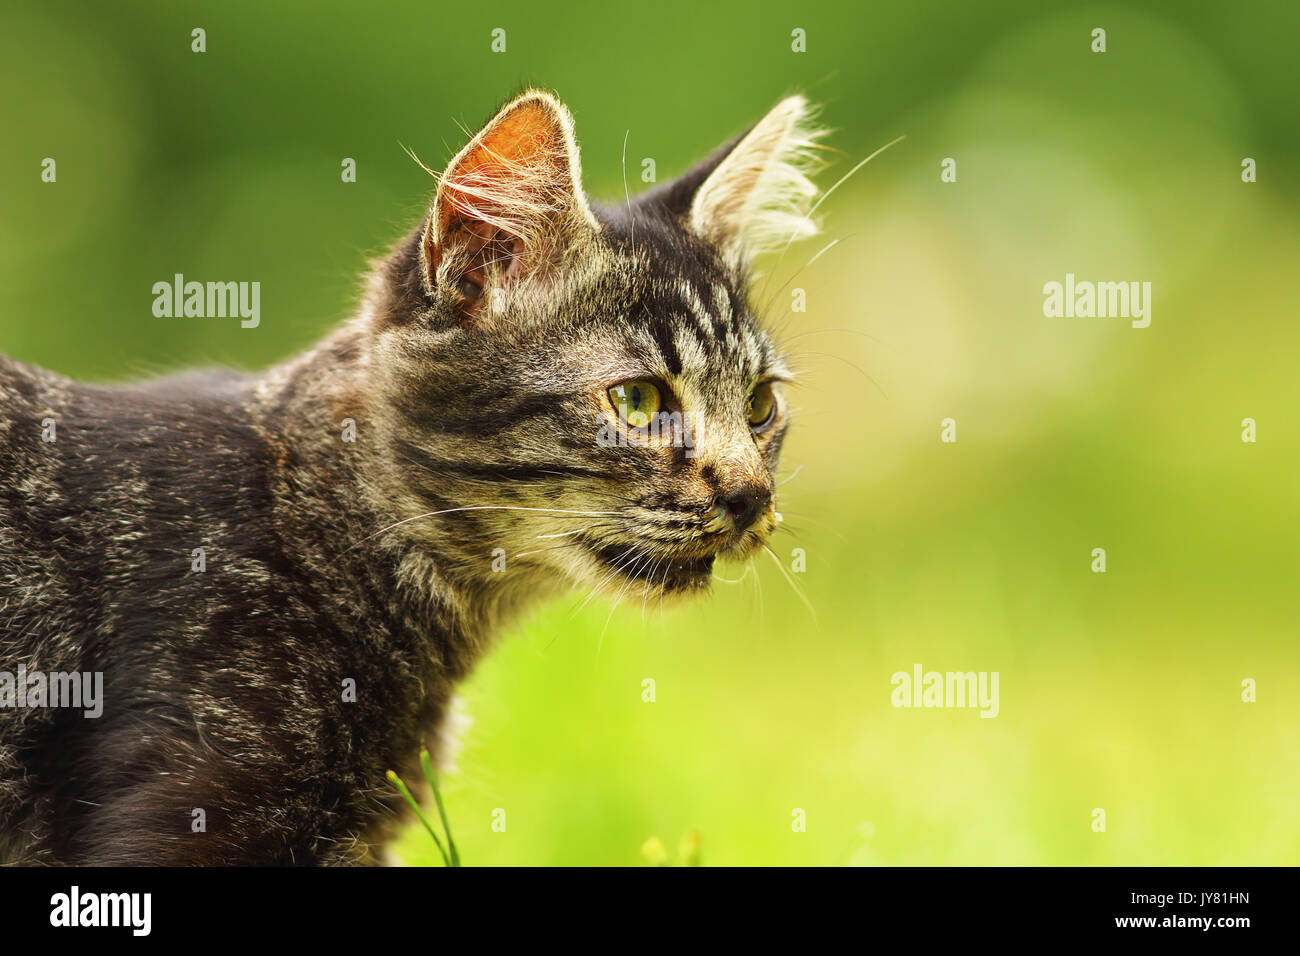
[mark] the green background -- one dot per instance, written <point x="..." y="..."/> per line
<point x="1119" y="691"/>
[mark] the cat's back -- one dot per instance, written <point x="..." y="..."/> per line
<point x="49" y="423"/>
<point x="25" y="396"/>
<point x="107" y="488"/>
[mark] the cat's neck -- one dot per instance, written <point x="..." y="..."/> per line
<point x="341" y="502"/>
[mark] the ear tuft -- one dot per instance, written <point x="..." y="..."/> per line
<point x="512" y="197"/>
<point x="759" y="197"/>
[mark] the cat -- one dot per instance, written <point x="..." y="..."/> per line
<point x="282" y="578"/>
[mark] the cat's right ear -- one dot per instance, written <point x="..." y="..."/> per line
<point x="509" y="204"/>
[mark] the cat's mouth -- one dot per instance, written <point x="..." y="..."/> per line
<point x="658" y="569"/>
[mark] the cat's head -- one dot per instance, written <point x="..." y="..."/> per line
<point x="584" y="390"/>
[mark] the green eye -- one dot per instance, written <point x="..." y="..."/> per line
<point x="636" y="402"/>
<point x="762" y="407"/>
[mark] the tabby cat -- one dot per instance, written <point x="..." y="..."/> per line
<point x="281" y="578"/>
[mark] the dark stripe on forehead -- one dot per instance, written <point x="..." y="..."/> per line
<point x="692" y="313"/>
<point x="732" y="314"/>
<point x="698" y="307"/>
<point x="661" y="328"/>
<point x="719" y="326"/>
<point x="659" y="324"/>
<point x="703" y="332"/>
<point x="739" y="307"/>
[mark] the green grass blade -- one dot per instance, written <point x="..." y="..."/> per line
<point x="427" y="765"/>
<point x="396" y="781"/>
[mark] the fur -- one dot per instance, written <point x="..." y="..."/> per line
<point x="477" y="375"/>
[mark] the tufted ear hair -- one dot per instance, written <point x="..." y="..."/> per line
<point x="510" y="202"/>
<point x="754" y="194"/>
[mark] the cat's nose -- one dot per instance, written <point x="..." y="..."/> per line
<point x="743" y="505"/>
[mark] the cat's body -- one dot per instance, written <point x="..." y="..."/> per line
<point x="475" y="382"/>
<point x="223" y="687"/>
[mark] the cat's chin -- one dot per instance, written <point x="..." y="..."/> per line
<point x="688" y="578"/>
<point x="662" y="574"/>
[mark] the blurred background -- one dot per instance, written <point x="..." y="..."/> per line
<point x="1120" y="691"/>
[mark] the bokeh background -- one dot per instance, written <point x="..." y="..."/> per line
<point x="1119" y="691"/>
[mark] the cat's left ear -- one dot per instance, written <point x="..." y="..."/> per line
<point x="754" y="194"/>
<point x="510" y="202"/>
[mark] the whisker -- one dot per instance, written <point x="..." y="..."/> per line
<point x="790" y="477"/>
<point x="842" y="180"/>
<point x="775" y="295"/>
<point x="631" y="577"/>
<point x="562" y="534"/>
<point x="631" y="221"/>
<point x="807" y="217"/>
<point x="748" y="567"/>
<point x="794" y="587"/>
<point x="646" y="597"/>
<point x="554" y="547"/>
<point x="865" y="335"/>
<point x="789" y="526"/>
<point x="599" y="584"/>
<point x="853" y="366"/>
<point x="445" y="511"/>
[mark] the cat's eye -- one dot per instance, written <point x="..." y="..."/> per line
<point x="762" y="407"/>
<point x="636" y="402"/>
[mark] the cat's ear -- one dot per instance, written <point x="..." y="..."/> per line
<point x="753" y="195"/>
<point x="510" y="202"/>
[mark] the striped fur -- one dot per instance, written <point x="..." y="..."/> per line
<point x="476" y="373"/>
